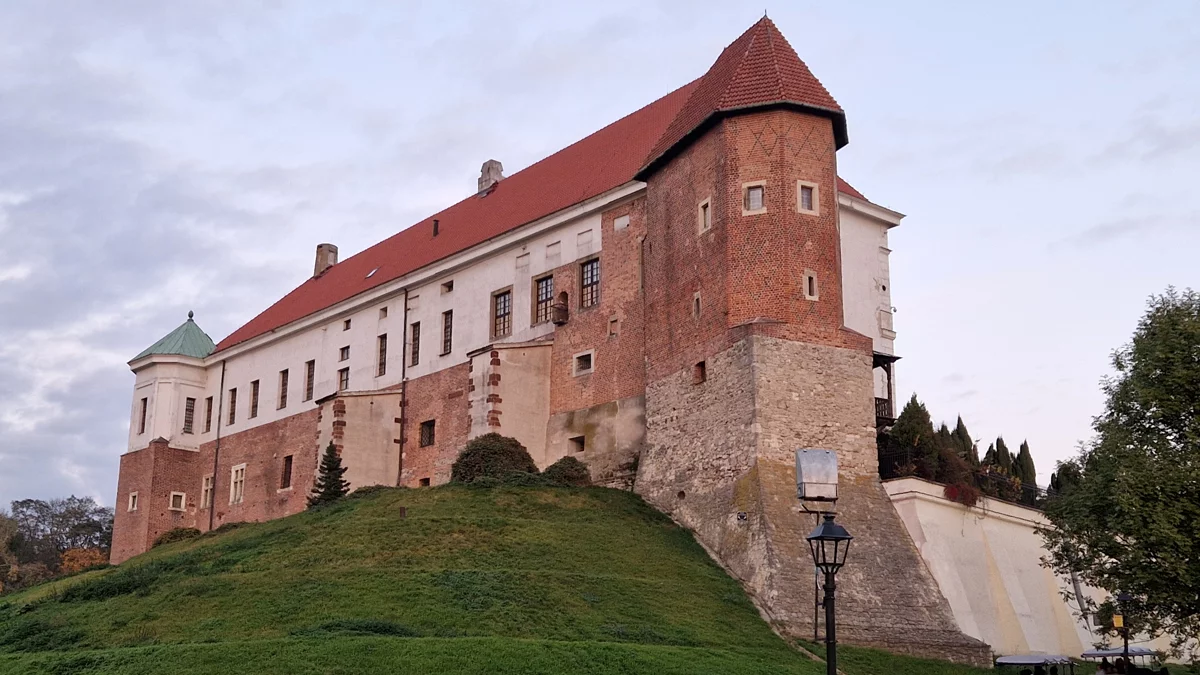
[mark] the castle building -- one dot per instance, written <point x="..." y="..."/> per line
<point x="680" y="300"/>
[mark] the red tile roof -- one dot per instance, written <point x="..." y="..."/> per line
<point x="601" y="162"/>
<point x="758" y="69"/>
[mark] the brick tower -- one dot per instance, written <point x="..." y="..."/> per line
<point x="748" y="359"/>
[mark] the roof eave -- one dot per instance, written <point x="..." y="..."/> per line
<point x="141" y="362"/>
<point x="838" y="117"/>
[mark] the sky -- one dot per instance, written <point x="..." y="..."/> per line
<point x="157" y="158"/>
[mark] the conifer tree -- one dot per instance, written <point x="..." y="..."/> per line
<point x="329" y="486"/>
<point x="1024" y="467"/>
<point x="966" y="446"/>
<point x="912" y="443"/>
<point x="1004" y="458"/>
<point x="989" y="458"/>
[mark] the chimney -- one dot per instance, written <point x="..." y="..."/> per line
<point x="491" y="173"/>
<point x="326" y="258"/>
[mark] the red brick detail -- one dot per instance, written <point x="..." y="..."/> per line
<point x="428" y="400"/>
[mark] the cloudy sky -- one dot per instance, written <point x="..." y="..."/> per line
<point x="158" y="157"/>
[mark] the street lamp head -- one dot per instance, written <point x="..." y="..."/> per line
<point x="816" y="477"/>
<point x="830" y="543"/>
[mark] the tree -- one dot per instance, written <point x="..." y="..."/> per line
<point x="1023" y="466"/>
<point x="1132" y="521"/>
<point x="1004" y="458"/>
<point x="912" y="446"/>
<point x="329" y="486"/>
<point x="965" y="446"/>
<point x="47" y="529"/>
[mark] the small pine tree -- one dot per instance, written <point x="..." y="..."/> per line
<point x="989" y="458"/>
<point x="329" y="486"/>
<point x="966" y="446"/>
<point x="1024" y="467"/>
<point x="913" y="443"/>
<point x="1004" y="458"/>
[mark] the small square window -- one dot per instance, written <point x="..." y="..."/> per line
<point x="583" y="363"/>
<point x="424" y="482"/>
<point x="808" y="197"/>
<point x="754" y="198"/>
<point x="704" y="216"/>
<point x="578" y="444"/>
<point x="383" y="312"/>
<point x="344" y="353"/>
<point x="346" y="324"/>
<point x="447" y="286"/>
<point x="427" y="433"/>
<point x="699" y="373"/>
<point x="133" y="501"/>
<point x="178" y="501"/>
<point x="620" y="223"/>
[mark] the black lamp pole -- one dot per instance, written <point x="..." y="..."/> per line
<point x="1123" y="600"/>
<point x="829" y="543"/>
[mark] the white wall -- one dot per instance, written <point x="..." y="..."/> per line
<point x="987" y="563"/>
<point x="866" y="279"/>
<point x="167" y="385"/>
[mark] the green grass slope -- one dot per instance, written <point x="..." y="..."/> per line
<point x="472" y="580"/>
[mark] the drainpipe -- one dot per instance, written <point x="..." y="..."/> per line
<point x="212" y="505"/>
<point x="403" y="388"/>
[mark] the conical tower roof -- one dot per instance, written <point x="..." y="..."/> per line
<point x="759" y="69"/>
<point x="187" y="340"/>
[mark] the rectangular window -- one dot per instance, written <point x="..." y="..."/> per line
<point x="589" y="295"/>
<point x="343" y="379"/>
<point x="810" y="286"/>
<point x="189" y="414"/>
<point x="344" y="353"/>
<point x="700" y="373"/>
<point x="178" y="501"/>
<point x="283" y="388"/>
<point x="414" y="348"/>
<point x="232" y="406"/>
<point x="383" y="312"/>
<point x="133" y="501"/>
<point x="578" y="444"/>
<point x="755" y="199"/>
<point x="583" y="363"/>
<point x="808" y="197"/>
<point x="142" y="416"/>
<point x="346" y="324"/>
<point x="543" y="299"/>
<point x="704" y="217"/>
<point x="310" y="378"/>
<point x="447" y="331"/>
<point x="424" y="482"/>
<point x="208" y="408"/>
<point x="237" y="484"/>
<point x="206" y="492"/>
<point x="381" y="369"/>
<point x="502" y="314"/>
<point x="427" y="435"/>
<point x="254" y="399"/>
<point x="285" y="479"/>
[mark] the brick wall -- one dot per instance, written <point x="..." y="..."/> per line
<point x="154" y="472"/>
<point x="442" y="397"/>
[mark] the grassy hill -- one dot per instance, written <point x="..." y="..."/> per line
<point x="472" y="580"/>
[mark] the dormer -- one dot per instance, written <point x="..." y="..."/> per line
<point x="169" y="393"/>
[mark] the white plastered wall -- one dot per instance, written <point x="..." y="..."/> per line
<point x="866" y="279"/>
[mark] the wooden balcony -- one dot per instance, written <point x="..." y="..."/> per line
<point x="885" y="415"/>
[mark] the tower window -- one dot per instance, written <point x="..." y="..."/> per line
<point x="208" y="408"/>
<point x="502" y="314"/>
<point x="133" y="501"/>
<point x="543" y="299"/>
<point x="145" y="405"/>
<point x="310" y="377"/>
<point x="414" y="347"/>
<point x="810" y="285"/>
<point x="189" y="414"/>
<point x="704" y="216"/>
<point x="807" y="197"/>
<point x="754" y="198"/>
<point x="699" y="373"/>
<point x="427" y="435"/>
<point x="696" y="305"/>
<point x="589" y="295"/>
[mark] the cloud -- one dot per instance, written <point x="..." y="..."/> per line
<point x="1123" y="228"/>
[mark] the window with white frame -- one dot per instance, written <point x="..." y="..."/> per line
<point x="811" y="291"/>
<point x="808" y="197"/>
<point x="189" y="414"/>
<point x="754" y="198"/>
<point x="178" y="501"/>
<point x="206" y="492"/>
<point x="237" y="484"/>
<point x="704" y="216"/>
<point x="583" y="363"/>
<point x="133" y="501"/>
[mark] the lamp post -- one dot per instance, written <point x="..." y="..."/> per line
<point x="829" y="543"/>
<point x="1123" y="603"/>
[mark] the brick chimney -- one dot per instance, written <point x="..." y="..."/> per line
<point x="326" y="258"/>
<point x="491" y="173"/>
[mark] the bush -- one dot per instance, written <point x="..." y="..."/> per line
<point x="568" y="471"/>
<point x="491" y="455"/>
<point x="177" y="534"/>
